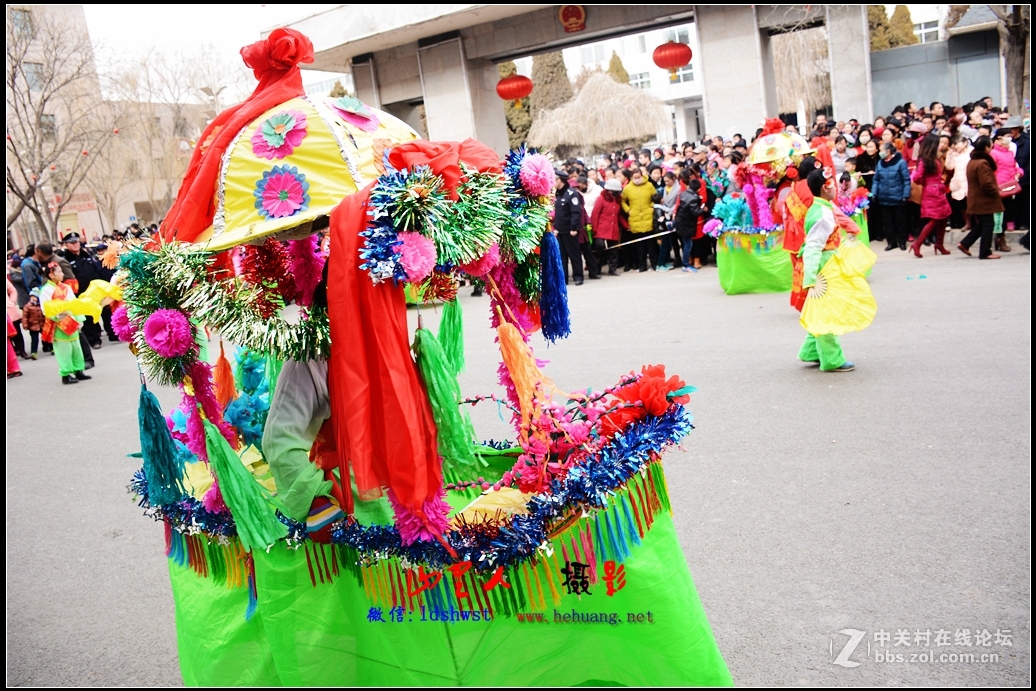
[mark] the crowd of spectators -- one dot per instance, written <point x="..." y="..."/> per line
<point x="643" y="208"/>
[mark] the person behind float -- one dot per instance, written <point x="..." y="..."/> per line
<point x="1008" y="176"/>
<point x="638" y="205"/>
<point x="891" y="191"/>
<point x="934" y="207"/>
<point x="983" y="200"/>
<point x="688" y="223"/>
<point x="606" y="226"/>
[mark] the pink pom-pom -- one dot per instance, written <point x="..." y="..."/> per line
<point x="713" y="227"/>
<point x="537" y="175"/>
<point x="121" y="324"/>
<point x="168" y="332"/>
<point x="412" y="527"/>
<point x="484" y="264"/>
<point x="417" y="255"/>
<point x="213" y="500"/>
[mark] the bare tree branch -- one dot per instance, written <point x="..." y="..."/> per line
<point x="57" y="120"/>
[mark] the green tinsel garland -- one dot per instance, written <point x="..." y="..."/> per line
<point x="523" y="229"/>
<point x="475" y="221"/>
<point x="417" y="203"/>
<point x="527" y="278"/>
<point x="227" y="306"/>
<point x="175" y="277"/>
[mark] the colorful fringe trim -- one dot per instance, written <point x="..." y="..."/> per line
<point x="610" y="534"/>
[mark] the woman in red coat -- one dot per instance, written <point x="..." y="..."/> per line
<point x="605" y="222"/>
<point x="934" y="207"/>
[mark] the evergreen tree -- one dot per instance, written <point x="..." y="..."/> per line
<point x="878" y="21"/>
<point x="550" y="85"/>
<point x="519" y="119"/>
<point x="337" y="91"/>
<point x="617" y="71"/>
<point x="901" y="28"/>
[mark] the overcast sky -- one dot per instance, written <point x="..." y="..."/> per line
<point x="134" y="28"/>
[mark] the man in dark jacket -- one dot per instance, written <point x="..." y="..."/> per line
<point x="31" y="270"/>
<point x="891" y="190"/>
<point x="685" y="222"/>
<point x="85" y="268"/>
<point x="569" y="222"/>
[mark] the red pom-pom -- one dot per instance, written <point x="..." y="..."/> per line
<point x="792" y="173"/>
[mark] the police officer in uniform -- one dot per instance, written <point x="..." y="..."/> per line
<point x="568" y="222"/>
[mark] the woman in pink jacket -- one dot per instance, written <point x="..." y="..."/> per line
<point x="14" y="315"/>
<point x="934" y="207"/>
<point x="1007" y="171"/>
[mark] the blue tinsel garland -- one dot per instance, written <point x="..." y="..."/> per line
<point x="587" y="485"/>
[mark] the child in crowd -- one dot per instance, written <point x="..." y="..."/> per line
<point x="850" y="170"/>
<point x="33" y="321"/>
<point x="64" y="327"/>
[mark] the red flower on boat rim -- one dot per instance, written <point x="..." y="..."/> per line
<point x="651" y="391"/>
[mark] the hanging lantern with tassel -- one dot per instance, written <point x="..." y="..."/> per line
<point x="514" y="88"/>
<point x="672" y="56"/>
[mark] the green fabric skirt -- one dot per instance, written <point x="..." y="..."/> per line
<point x="651" y="631"/>
<point x="753" y="263"/>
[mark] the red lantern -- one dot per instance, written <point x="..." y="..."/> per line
<point x="514" y="87"/>
<point x="672" y="56"/>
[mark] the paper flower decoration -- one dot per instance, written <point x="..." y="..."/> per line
<point x="417" y="255"/>
<point x="484" y="264"/>
<point x="282" y="191"/>
<point x="122" y="326"/>
<point x="278" y="135"/>
<point x="168" y="332"/>
<point x="411" y="526"/>
<point x="354" y="112"/>
<point x="537" y="175"/>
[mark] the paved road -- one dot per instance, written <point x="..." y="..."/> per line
<point x="894" y="497"/>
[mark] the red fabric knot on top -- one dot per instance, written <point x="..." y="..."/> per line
<point x="281" y="50"/>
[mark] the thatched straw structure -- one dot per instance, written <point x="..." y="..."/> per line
<point x="602" y="113"/>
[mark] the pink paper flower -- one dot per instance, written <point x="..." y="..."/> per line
<point x="213" y="499"/>
<point x="354" y="112"/>
<point x="484" y="264"/>
<point x="417" y="255"/>
<point x="413" y="527"/>
<point x="282" y="192"/>
<point x="168" y="332"/>
<point x="537" y="175"/>
<point x="278" y="135"/>
<point x="122" y="326"/>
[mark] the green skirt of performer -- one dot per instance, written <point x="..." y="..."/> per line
<point x="651" y="631"/>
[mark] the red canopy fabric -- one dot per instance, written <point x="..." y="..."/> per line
<point x="382" y="419"/>
<point x="274" y="60"/>
<point x="444" y="159"/>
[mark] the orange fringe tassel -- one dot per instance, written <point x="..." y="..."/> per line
<point x="223" y="378"/>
